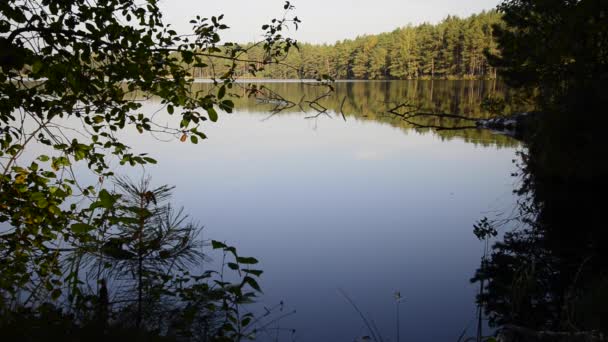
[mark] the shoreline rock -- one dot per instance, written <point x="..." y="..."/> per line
<point x="514" y="126"/>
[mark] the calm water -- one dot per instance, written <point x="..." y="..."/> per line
<point x="366" y="205"/>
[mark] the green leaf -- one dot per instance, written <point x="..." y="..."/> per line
<point x="253" y="283"/>
<point x="90" y="27"/>
<point x="212" y="114"/>
<point x="187" y="56"/>
<point x="231" y="249"/>
<point x="42" y="203"/>
<point x="55" y="294"/>
<point x="37" y="66"/>
<point x="217" y="245"/>
<point x="170" y="109"/>
<point x="247" y="260"/>
<point x="105" y="199"/>
<point x="246" y="321"/>
<point x="82" y="228"/>
<point x="150" y="160"/>
<point x="227" y="106"/>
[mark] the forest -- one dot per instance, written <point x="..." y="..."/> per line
<point x="86" y="254"/>
<point x="452" y="49"/>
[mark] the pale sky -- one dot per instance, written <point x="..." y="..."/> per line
<point x="323" y="21"/>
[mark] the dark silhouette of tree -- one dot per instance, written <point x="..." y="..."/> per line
<point x="72" y="74"/>
<point x="548" y="280"/>
<point x="84" y="62"/>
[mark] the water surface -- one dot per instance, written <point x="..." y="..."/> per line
<point x="367" y="205"/>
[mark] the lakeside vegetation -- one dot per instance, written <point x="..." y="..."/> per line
<point x="548" y="277"/>
<point x="451" y="49"/>
<point x="78" y="55"/>
<point x="545" y="279"/>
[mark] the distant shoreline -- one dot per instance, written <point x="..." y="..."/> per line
<point x="293" y="80"/>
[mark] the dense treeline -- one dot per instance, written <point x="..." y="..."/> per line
<point x="452" y="49"/>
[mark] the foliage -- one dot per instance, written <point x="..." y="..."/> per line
<point x="84" y="259"/>
<point x="484" y="229"/>
<point x="574" y="48"/>
<point x="141" y="274"/>
<point x="80" y="62"/>
<point x="453" y="48"/>
<point x="146" y="252"/>
<point x="541" y="276"/>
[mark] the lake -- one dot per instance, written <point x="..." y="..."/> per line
<point x="360" y="203"/>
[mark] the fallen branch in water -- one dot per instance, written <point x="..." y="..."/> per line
<point x="342" y="108"/>
<point x="314" y="103"/>
<point x="412" y="112"/>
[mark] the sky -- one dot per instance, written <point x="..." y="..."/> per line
<point x="323" y="21"/>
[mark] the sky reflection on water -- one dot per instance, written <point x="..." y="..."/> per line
<point x="356" y="205"/>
